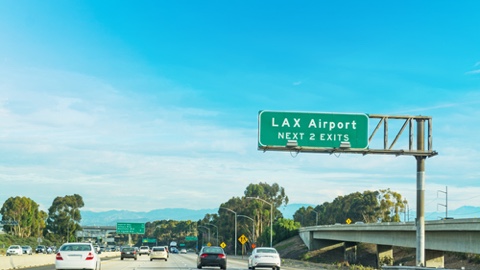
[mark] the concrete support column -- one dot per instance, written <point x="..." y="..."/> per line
<point x="350" y="252"/>
<point x="384" y="255"/>
<point x="307" y="238"/>
<point x="434" y="258"/>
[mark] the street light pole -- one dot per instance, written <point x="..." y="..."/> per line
<point x="234" y="240"/>
<point x="253" y="226"/>
<point x="271" y="217"/>
<point x="215" y="227"/>
<point x="316" y="219"/>
<point x="208" y="231"/>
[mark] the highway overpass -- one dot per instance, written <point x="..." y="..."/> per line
<point x="456" y="235"/>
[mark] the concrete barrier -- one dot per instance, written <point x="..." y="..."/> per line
<point x="27" y="261"/>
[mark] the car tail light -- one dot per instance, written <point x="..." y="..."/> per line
<point x="221" y="256"/>
<point x="204" y="255"/>
<point x="89" y="257"/>
<point x="58" y="257"/>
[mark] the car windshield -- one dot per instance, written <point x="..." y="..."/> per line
<point x="75" y="247"/>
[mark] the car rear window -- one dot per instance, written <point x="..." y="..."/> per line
<point x="76" y="248"/>
<point x="158" y="249"/>
<point x="213" y="250"/>
<point x="266" y="251"/>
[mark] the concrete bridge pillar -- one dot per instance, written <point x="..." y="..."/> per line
<point x="384" y="255"/>
<point x="434" y="258"/>
<point x="350" y="252"/>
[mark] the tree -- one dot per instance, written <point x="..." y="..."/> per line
<point x="285" y="228"/>
<point x="369" y="206"/>
<point x="30" y="220"/>
<point x="64" y="216"/>
<point x="273" y="194"/>
<point x="391" y="205"/>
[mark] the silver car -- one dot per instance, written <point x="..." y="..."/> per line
<point x="27" y="250"/>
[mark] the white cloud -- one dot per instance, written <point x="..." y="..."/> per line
<point x="81" y="135"/>
<point x="297" y="83"/>
<point x="477" y="71"/>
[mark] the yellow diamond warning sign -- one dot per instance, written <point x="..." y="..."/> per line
<point x="243" y="239"/>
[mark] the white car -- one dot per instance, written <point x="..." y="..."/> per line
<point x="77" y="256"/>
<point x="144" y="250"/>
<point x="158" y="253"/>
<point x="264" y="257"/>
<point x="14" y="250"/>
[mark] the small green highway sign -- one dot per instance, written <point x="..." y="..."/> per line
<point x="307" y="129"/>
<point x="149" y="240"/>
<point x="130" y="228"/>
<point x="191" y="238"/>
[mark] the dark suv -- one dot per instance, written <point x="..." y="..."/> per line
<point x="129" y="252"/>
<point x="41" y="249"/>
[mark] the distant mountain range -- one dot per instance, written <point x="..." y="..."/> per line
<point x="110" y="218"/>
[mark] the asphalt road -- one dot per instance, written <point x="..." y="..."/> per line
<point x="175" y="262"/>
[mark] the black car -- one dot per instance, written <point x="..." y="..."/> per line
<point x="129" y="252"/>
<point x="212" y="256"/>
<point x="41" y="249"/>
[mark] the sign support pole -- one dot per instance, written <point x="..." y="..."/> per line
<point x="420" y="221"/>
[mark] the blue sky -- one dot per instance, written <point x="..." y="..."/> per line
<point x="141" y="105"/>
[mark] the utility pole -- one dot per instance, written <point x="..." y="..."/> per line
<point x="446" y="200"/>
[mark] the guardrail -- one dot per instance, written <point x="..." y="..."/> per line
<point x="413" y="268"/>
<point x="25" y="261"/>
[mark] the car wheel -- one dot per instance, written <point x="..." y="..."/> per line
<point x="253" y="268"/>
<point x="151" y="259"/>
<point x="165" y="259"/>
<point x="121" y="258"/>
<point x="199" y="266"/>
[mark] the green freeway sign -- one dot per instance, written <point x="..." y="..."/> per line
<point x="149" y="240"/>
<point x="130" y="228"/>
<point x="191" y="238"/>
<point x="321" y="130"/>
